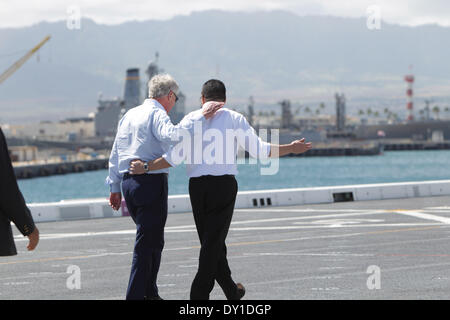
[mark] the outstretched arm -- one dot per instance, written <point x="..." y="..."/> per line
<point x="296" y="147"/>
<point x="257" y="147"/>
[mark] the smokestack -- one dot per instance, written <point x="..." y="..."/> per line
<point x="340" y="112"/>
<point x="286" y="115"/>
<point x="132" y="95"/>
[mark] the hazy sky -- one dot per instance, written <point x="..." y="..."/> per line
<point x="16" y="13"/>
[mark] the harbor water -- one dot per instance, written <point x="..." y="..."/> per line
<point x="293" y="172"/>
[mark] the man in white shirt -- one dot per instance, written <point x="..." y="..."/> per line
<point x="146" y="132"/>
<point x="212" y="183"/>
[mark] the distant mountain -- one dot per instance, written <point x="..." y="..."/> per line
<point x="269" y="55"/>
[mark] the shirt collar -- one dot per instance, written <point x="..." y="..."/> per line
<point x="154" y="103"/>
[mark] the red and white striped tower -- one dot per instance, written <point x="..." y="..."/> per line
<point x="409" y="96"/>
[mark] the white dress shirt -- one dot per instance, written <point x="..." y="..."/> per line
<point x="211" y="149"/>
<point x="145" y="132"/>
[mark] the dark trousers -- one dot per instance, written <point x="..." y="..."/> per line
<point x="146" y="199"/>
<point x="212" y="200"/>
<point x="7" y="246"/>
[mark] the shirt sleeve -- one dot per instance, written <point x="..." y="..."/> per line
<point x="168" y="149"/>
<point x="114" y="178"/>
<point x="248" y="139"/>
<point x="12" y="203"/>
<point x="176" y="154"/>
<point x="166" y="132"/>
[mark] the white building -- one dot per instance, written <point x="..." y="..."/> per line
<point x="67" y="130"/>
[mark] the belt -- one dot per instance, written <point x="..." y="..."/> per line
<point x="209" y="176"/>
<point x="127" y="175"/>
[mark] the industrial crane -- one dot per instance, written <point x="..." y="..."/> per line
<point x="22" y="60"/>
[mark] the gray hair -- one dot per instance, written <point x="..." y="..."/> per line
<point x="160" y="85"/>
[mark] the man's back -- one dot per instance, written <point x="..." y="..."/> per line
<point x="146" y="132"/>
<point x="135" y="136"/>
<point x="214" y="152"/>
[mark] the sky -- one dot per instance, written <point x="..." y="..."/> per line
<point x="19" y="13"/>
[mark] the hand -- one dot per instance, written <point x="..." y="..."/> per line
<point x="136" y="167"/>
<point x="33" y="239"/>
<point x="211" y="107"/>
<point x="115" y="199"/>
<point x="299" y="146"/>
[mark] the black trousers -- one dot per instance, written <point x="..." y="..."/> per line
<point x="146" y="199"/>
<point x="212" y="200"/>
<point x="7" y="246"/>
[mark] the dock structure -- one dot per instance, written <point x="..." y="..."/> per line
<point x="416" y="145"/>
<point x="43" y="169"/>
<point x="335" y="149"/>
<point x="343" y="150"/>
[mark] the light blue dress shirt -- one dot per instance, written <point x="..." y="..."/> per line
<point x="145" y="132"/>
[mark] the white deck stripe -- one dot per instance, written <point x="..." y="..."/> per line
<point x="425" y="216"/>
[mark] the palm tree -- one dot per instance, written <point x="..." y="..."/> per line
<point x="436" y="111"/>
<point x="307" y="109"/>
<point x="396" y="118"/>
<point x="387" y="112"/>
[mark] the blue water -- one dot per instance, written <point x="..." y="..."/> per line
<point x="394" y="166"/>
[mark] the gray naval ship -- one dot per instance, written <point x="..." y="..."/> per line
<point x="109" y="111"/>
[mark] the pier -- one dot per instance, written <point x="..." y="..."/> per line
<point x="348" y="149"/>
<point x="43" y="169"/>
<point x="416" y="145"/>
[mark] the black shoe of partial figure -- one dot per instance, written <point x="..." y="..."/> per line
<point x="154" y="298"/>
<point x="240" y="291"/>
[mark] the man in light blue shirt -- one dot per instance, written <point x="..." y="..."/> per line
<point x="146" y="132"/>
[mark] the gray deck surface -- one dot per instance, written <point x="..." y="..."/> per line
<point x="282" y="253"/>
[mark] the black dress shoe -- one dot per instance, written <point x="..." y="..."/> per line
<point x="240" y="291"/>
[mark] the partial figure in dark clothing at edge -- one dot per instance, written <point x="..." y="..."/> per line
<point x="13" y="207"/>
